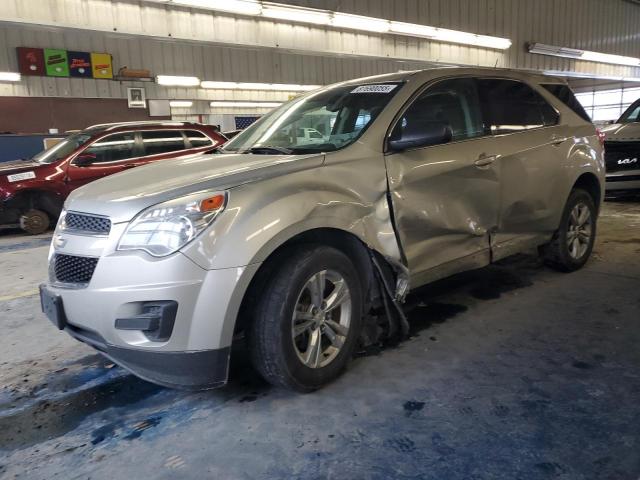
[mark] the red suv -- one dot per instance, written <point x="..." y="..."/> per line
<point x="33" y="191"/>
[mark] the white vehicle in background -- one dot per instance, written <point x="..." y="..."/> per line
<point x="309" y="136"/>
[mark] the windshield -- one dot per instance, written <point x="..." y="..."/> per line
<point x="322" y="121"/>
<point x="62" y="149"/>
<point x="632" y="114"/>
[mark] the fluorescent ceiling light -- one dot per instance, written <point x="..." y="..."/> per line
<point x="609" y="58"/>
<point x="9" y="77"/>
<point x="282" y="87"/>
<point x="293" y="14"/>
<point x="174" y="81"/>
<point x="241" y="7"/>
<point x="232" y="103"/>
<point x="450" y="36"/>
<point x="357" y="22"/>
<point x="180" y="103"/>
<point x="586" y="55"/>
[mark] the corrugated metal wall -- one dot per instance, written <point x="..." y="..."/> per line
<point x="274" y="52"/>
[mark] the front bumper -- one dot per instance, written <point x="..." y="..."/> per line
<point x="195" y="354"/>
<point x="618" y="183"/>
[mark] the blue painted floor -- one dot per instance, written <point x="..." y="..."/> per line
<point x="511" y="372"/>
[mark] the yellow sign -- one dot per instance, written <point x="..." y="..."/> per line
<point x="102" y="66"/>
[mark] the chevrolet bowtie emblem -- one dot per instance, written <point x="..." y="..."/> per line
<point x="59" y="241"/>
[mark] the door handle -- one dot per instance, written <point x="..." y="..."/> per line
<point x="129" y="165"/>
<point x="484" y="160"/>
<point x="557" y="140"/>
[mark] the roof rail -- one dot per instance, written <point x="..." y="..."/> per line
<point x="142" y="122"/>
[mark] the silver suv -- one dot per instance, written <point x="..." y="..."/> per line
<point x="290" y="243"/>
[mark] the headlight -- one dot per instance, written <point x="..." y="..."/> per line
<point x="165" y="228"/>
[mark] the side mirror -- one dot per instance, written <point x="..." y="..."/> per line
<point x="84" y="159"/>
<point x="418" y="134"/>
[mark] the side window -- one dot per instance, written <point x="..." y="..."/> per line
<point x="566" y="96"/>
<point x="511" y="106"/>
<point x="112" y="148"/>
<point x="452" y="102"/>
<point x="162" y="141"/>
<point x="197" y="139"/>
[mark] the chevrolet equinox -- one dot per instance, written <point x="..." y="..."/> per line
<point x="296" y="246"/>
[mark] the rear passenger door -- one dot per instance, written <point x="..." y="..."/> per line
<point x="159" y="144"/>
<point x="529" y="148"/>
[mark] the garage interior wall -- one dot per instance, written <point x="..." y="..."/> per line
<point x="224" y="47"/>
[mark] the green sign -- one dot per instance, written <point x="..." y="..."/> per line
<point x="56" y="63"/>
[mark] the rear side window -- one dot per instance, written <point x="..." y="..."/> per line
<point x="566" y="96"/>
<point x="162" y="141"/>
<point x="113" y="148"/>
<point x="511" y="106"/>
<point x="197" y="139"/>
<point x="632" y="114"/>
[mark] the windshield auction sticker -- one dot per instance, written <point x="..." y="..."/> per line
<point x="374" y="89"/>
<point x="21" y="176"/>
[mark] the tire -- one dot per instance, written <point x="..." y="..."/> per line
<point x="276" y="354"/>
<point x="34" y="222"/>
<point x="558" y="254"/>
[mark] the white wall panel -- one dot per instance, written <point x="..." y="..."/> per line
<point x="183" y="41"/>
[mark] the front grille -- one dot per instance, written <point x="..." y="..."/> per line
<point x="73" y="269"/>
<point x="87" y="223"/>
<point x="621" y="156"/>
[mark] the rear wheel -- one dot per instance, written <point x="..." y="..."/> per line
<point x="34" y="221"/>
<point x="307" y="320"/>
<point x="573" y="242"/>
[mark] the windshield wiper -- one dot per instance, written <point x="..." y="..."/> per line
<point x="266" y="149"/>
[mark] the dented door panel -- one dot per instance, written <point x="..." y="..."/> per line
<point x="445" y="205"/>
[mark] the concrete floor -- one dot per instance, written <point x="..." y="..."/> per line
<point x="514" y="371"/>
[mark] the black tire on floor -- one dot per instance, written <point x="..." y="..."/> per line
<point x="34" y="222"/>
<point x="557" y="253"/>
<point x="270" y="339"/>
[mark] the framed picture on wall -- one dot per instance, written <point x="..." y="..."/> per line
<point x="136" y="98"/>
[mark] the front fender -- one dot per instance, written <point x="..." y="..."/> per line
<point x="262" y="216"/>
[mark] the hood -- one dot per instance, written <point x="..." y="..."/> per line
<point x="622" y="132"/>
<point x="124" y="195"/>
<point x="17" y="166"/>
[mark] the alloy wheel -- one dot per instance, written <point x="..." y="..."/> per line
<point x="579" y="231"/>
<point x="321" y="319"/>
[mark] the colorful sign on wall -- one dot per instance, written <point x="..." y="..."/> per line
<point x="55" y="62"/>
<point x="79" y="64"/>
<point x="102" y="65"/>
<point x="31" y="61"/>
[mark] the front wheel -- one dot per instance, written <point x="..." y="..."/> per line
<point x="573" y="242"/>
<point x="307" y="319"/>
<point x="34" y="222"/>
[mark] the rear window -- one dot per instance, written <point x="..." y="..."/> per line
<point x="566" y="96"/>
<point x="511" y="106"/>
<point x="162" y="141"/>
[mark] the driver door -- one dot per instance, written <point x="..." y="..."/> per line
<point x="110" y="154"/>
<point x="445" y="196"/>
